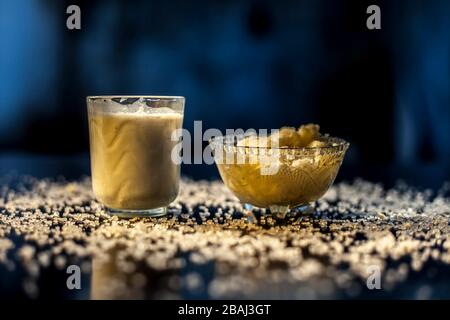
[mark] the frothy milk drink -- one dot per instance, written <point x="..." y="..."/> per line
<point x="131" y="162"/>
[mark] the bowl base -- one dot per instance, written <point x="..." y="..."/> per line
<point x="279" y="212"/>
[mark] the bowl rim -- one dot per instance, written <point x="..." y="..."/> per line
<point x="340" y="144"/>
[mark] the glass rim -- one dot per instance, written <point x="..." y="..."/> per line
<point x="159" y="97"/>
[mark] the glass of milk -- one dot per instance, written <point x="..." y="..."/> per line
<point x="131" y="143"/>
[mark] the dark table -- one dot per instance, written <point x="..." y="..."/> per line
<point x="359" y="237"/>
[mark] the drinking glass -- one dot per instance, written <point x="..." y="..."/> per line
<point x="131" y="143"/>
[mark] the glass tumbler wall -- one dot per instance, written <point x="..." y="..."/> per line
<point x="131" y="143"/>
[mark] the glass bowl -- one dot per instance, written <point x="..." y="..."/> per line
<point x="278" y="179"/>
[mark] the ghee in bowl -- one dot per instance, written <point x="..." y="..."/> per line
<point x="285" y="170"/>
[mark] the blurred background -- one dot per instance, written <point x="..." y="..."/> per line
<point x="240" y="64"/>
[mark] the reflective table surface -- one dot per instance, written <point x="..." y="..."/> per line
<point x="359" y="241"/>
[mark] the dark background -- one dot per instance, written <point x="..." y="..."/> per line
<point x="240" y="64"/>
